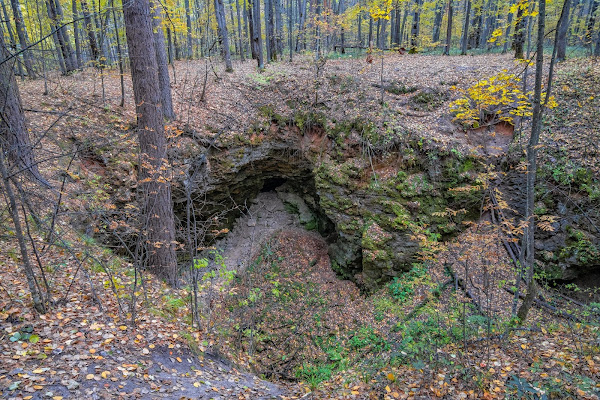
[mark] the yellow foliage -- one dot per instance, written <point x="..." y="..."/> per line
<point x="492" y="100"/>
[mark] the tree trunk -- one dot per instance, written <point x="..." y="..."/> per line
<point x="519" y="38"/>
<point x="591" y="22"/>
<point x="62" y="36"/>
<point x="164" y="81"/>
<point x="465" y="34"/>
<point x="508" y="28"/>
<point x="36" y="296"/>
<point x="13" y="43"/>
<point x="449" y="28"/>
<point x="437" y="21"/>
<point x="402" y="28"/>
<point x="241" y="40"/>
<point x="91" y="32"/>
<point x="253" y="45"/>
<point x="223" y="34"/>
<point x="416" y="26"/>
<point x="278" y="27"/>
<point x="76" y="33"/>
<point x="563" y="28"/>
<point x="270" y="31"/>
<point x="157" y="210"/>
<point x="22" y="35"/>
<point x="14" y="136"/>
<point x="359" y="33"/>
<point x="597" y="48"/>
<point x="257" y="36"/>
<point x="119" y="53"/>
<point x="301" y="22"/>
<point x="290" y="29"/>
<point x="188" y="29"/>
<point x="370" y="37"/>
<point x="532" y="147"/>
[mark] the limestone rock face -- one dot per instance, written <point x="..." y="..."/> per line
<point x="373" y="210"/>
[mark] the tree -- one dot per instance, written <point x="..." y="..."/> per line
<point x="164" y="81"/>
<point x="223" y="35"/>
<point x="563" y="27"/>
<point x="157" y="210"/>
<point x="519" y="38"/>
<point x="22" y="34"/>
<point x="63" y="41"/>
<point x="13" y="131"/>
<point x="465" y="35"/>
<point x="14" y="141"/>
<point x="449" y="28"/>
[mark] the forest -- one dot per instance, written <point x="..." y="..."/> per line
<point x="299" y="199"/>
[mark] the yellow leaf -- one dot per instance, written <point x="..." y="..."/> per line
<point x="178" y="359"/>
<point x="123" y="328"/>
<point x="105" y="374"/>
<point x="387" y="389"/>
<point x="391" y="377"/>
<point x="38" y="371"/>
<point x="523" y="346"/>
<point x="57" y="398"/>
<point x="354" y="392"/>
<point x="38" y="387"/>
<point x="197" y="384"/>
<point x="89" y="376"/>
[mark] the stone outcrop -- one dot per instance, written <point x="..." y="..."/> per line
<point x="375" y="202"/>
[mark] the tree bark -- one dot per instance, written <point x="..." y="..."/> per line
<point x="270" y="31"/>
<point x="13" y="43"/>
<point x="188" y="26"/>
<point x="119" y="54"/>
<point x="76" y="33"/>
<point x="563" y="28"/>
<point x="437" y="21"/>
<point x="13" y="131"/>
<point x="241" y="40"/>
<point x="532" y="147"/>
<point x="91" y="32"/>
<point x="416" y="27"/>
<point x="157" y="210"/>
<point x="278" y="27"/>
<point x="301" y="22"/>
<point x="62" y="36"/>
<point x="465" y="34"/>
<point x="22" y="35"/>
<point x="449" y="28"/>
<point x="591" y="23"/>
<point x="164" y="81"/>
<point x="223" y="34"/>
<point x="257" y="36"/>
<point x="519" y="38"/>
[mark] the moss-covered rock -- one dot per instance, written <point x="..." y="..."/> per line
<point x="376" y="204"/>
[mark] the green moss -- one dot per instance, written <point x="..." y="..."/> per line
<point x="581" y="248"/>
